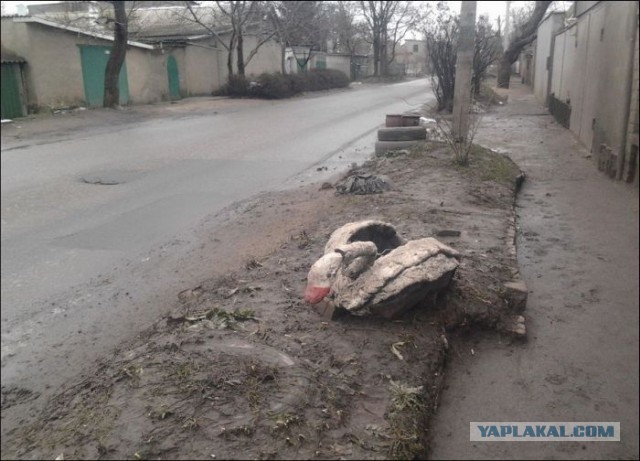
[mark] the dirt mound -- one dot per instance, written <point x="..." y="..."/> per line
<point x="242" y="368"/>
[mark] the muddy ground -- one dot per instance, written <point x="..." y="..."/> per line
<point x="243" y="368"/>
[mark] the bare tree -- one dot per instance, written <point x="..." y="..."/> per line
<point x="460" y="148"/>
<point x="301" y="23"/>
<point x="525" y="34"/>
<point x="442" y="39"/>
<point x="388" y="23"/>
<point x="405" y="20"/>
<point x="229" y="23"/>
<point x="487" y="51"/>
<point x="349" y="32"/>
<point x="117" y="56"/>
<point x="442" y="32"/>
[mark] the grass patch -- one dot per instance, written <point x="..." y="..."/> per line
<point x="404" y="412"/>
<point x="489" y="96"/>
<point x="92" y="418"/>
<point x="404" y="397"/>
<point x="488" y="165"/>
<point x="492" y="166"/>
<point x="229" y="319"/>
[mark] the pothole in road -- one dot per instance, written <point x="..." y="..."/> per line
<point x="109" y="177"/>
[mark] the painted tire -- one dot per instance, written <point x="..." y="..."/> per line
<point x="385" y="146"/>
<point x="402" y="133"/>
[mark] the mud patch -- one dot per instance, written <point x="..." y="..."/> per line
<point x="242" y="368"/>
<point x="16" y="395"/>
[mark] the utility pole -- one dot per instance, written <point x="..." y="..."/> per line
<point x="507" y="28"/>
<point x="464" y="67"/>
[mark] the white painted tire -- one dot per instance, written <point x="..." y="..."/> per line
<point x="383" y="147"/>
<point x="402" y="133"/>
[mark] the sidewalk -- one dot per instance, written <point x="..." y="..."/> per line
<point x="578" y="253"/>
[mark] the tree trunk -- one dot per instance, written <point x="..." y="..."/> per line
<point x="527" y="35"/>
<point x="376" y="56"/>
<point x="384" y="61"/>
<point x="116" y="58"/>
<point x="232" y="43"/>
<point x="240" y="54"/>
<point x="504" y="72"/>
<point x="476" y="81"/>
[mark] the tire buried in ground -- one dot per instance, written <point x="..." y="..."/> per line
<point x="382" y="147"/>
<point x="402" y="133"/>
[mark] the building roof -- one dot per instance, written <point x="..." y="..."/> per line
<point x="8" y="56"/>
<point x="77" y="30"/>
<point x="151" y="23"/>
<point x="170" y="24"/>
<point x="158" y="32"/>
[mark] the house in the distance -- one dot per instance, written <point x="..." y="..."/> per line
<point x="302" y="58"/>
<point x="413" y="55"/>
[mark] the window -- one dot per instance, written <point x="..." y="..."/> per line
<point x="415" y="48"/>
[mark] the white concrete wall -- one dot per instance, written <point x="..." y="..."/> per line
<point x="201" y="73"/>
<point x="565" y="69"/>
<point x="546" y="31"/>
<point x="147" y="76"/>
<point x="53" y="71"/>
<point x="631" y="172"/>
<point x="592" y="66"/>
<point x="54" y="67"/>
<point x="339" y="62"/>
<point x="558" y="59"/>
<point x="575" y="86"/>
<point x="266" y="60"/>
<point x="620" y="28"/>
<point x="583" y="126"/>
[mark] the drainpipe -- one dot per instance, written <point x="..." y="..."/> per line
<point x="628" y="89"/>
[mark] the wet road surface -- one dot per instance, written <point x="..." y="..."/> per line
<point x="95" y="226"/>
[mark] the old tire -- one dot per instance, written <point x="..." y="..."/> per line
<point x="402" y="133"/>
<point x="382" y="147"/>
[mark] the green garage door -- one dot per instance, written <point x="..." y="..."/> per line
<point x="174" y="78"/>
<point x="10" y="87"/>
<point x="94" y="63"/>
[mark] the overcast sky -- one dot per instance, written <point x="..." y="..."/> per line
<point x="493" y="9"/>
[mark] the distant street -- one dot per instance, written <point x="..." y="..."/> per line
<point x="78" y="271"/>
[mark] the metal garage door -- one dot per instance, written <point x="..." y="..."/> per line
<point x="94" y="64"/>
<point x="11" y="101"/>
<point x="174" y="78"/>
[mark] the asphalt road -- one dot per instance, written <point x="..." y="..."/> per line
<point x="85" y="266"/>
